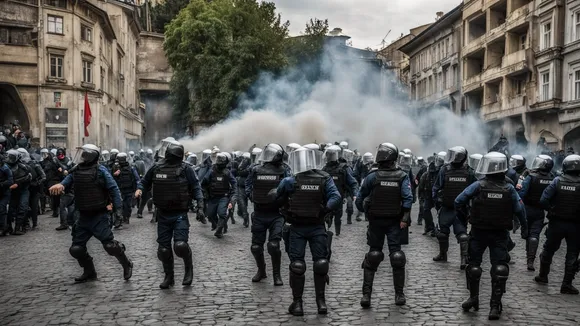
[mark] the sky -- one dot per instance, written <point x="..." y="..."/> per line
<point x="365" y="21"/>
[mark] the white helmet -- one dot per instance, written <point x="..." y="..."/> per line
<point x="114" y="151"/>
<point x="343" y="145"/>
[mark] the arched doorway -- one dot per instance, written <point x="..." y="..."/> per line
<point x="572" y="139"/>
<point x="12" y="108"/>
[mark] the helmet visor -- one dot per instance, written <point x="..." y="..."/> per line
<point x="302" y="160"/>
<point x="491" y="164"/>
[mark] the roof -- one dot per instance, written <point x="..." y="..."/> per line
<point x="104" y="18"/>
<point x="445" y="20"/>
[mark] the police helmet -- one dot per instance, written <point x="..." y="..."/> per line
<point x="386" y="152"/>
<point x="474" y="160"/>
<point x="543" y="163"/>
<point x="368" y="158"/>
<point x="122" y="157"/>
<point x="517" y="160"/>
<point x="24" y="156"/>
<point x="332" y="153"/>
<point x="192" y="159"/>
<point x="221" y="160"/>
<point x="456" y="155"/>
<point x="272" y="153"/>
<point x="174" y="152"/>
<point x="571" y="164"/>
<point x="292" y="147"/>
<point x="89" y="155"/>
<point x="440" y="159"/>
<point x="343" y="145"/>
<point x="12" y="156"/>
<point x="407" y="151"/>
<point x="492" y="163"/>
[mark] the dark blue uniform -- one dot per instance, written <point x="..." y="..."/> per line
<point x="220" y="192"/>
<point x="127" y="182"/>
<point x="19" y="197"/>
<point x="346" y="185"/>
<point x="425" y="189"/>
<point x="494" y="203"/>
<point x="6" y="181"/>
<point x="562" y="200"/>
<point x="243" y="171"/>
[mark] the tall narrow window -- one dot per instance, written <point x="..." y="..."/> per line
<point x="545" y="93"/>
<point x="546" y="35"/>
<point x="56" y="63"/>
<point x="87" y="71"/>
<point x="577" y="85"/>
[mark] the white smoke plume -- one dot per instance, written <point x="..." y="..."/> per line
<point x="346" y="104"/>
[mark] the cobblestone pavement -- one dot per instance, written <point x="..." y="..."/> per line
<point x="36" y="287"/>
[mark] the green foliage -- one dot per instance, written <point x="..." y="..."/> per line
<point x="162" y="14"/>
<point x="218" y="48"/>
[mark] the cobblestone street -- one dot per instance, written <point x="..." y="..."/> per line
<point x="37" y="284"/>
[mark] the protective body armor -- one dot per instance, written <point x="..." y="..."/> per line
<point x="538" y="183"/>
<point x="126" y="180"/>
<point x="308" y="197"/>
<point x="90" y="192"/>
<point x="566" y="203"/>
<point x="140" y="167"/>
<point x="456" y="180"/>
<point x="266" y="178"/>
<point x="493" y="209"/>
<point x="337" y="173"/>
<point x="219" y="184"/>
<point x="32" y="166"/>
<point x="385" y="199"/>
<point x="20" y="172"/>
<point x="170" y="187"/>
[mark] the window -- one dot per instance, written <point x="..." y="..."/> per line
<point x="447" y="49"/>
<point x="546" y="36"/>
<point x="577" y="85"/>
<point x="523" y="39"/>
<point x="56" y="3"/>
<point x="103" y="79"/>
<point x="14" y="35"/>
<point x="101" y="45"/>
<point x="87" y="71"/>
<point x="86" y="33"/>
<point x="56" y="66"/>
<point x="54" y="24"/>
<point x="518" y="86"/>
<point x="577" y="25"/>
<point x="545" y="90"/>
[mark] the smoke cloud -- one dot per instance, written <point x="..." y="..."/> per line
<point x="353" y="100"/>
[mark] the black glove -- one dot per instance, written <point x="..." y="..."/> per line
<point x="200" y="208"/>
<point x="406" y="218"/>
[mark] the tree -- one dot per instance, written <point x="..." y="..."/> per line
<point x="218" y="48"/>
<point x="162" y="13"/>
<point x="307" y="47"/>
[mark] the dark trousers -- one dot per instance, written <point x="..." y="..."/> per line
<point x="127" y="199"/>
<point x="315" y="236"/>
<point x="55" y="205"/>
<point x="18" y="206"/>
<point x="337" y="216"/>
<point x="144" y="200"/>
<point x="447" y="219"/>
<point x="266" y="225"/>
<point x="242" y="202"/>
<point x="35" y="192"/>
<point x="4" y="201"/>
<point x="349" y="206"/>
<point x="428" y="215"/>
<point x="495" y="240"/>
<point x="557" y="231"/>
<point x="88" y="226"/>
<point x="535" y="218"/>
<point x="67" y="209"/>
<point x="421" y="210"/>
<point x="378" y="230"/>
<point x="217" y="209"/>
<point x="172" y="226"/>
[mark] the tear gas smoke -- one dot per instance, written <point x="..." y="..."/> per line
<point x="345" y="104"/>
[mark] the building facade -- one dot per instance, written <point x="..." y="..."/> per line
<point x="73" y="49"/>
<point x="435" y="67"/>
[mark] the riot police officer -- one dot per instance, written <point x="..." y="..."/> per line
<point x="20" y="194"/>
<point x="93" y="185"/>
<point x="425" y="189"/>
<point x="362" y="168"/>
<point x="422" y="169"/>
<point x="343" y="180"/>
<point x="311" y="195"/>
<point x="242" y="172"/>
<point x="267" y="218"/>
<point x="538" y="178"/>
<point x="562" y="200"/>
<point x="453" y="178"/>
<point x="37" y="179"/>
<point x="127" y="179"/>
<point x="386" y="198"/>
<point x="221" y="188"/>
<point x="173" y="184"/>
<point x="494" y="204"/>
<point x="6" y="181"/>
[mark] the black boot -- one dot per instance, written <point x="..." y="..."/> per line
<point x="358" y="214"/>
<point x="231" y="216"/>
<point x="463" y="247"/>
<point x="337" y="227"/>
<point x="443" y="247"/>
<point x="531" y="250"/>
<point x="19" y="230"/>
<point x="127" y="265"/>
<point x="329" y="236"/>
<point x="219" y="232"/>
<point x="567" y="287"/>
<point x="168" y="265"/>
<point x="258" y="253"/>
<point x="276" y="262"/>
<point x="246" y="221"/>
<point x="544" y="270"/>
<point x="297" y="285"/>
<point x="89" y="272"/>
<point x="320" y="282"/>
<point x="349" y="219"/>
<point x="367" y="288"/>
<point x="473" y="275"/>
<point x="188" y="264"/>
<point x="495" y="302"/>
<point x="399" y="282"/>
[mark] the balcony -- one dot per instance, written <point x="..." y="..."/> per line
<point x="516" y="62"/>
<point x="518" y="16"/>
<point x="506" y="108"/>
<point x="474" y="45"/>
<point x="491" y="108"/>
<point x="491" y="73"/>
<point x="516" y="103"/>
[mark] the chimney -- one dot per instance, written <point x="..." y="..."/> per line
<point x="439" y="14"/>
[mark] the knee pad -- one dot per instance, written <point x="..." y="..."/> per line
<point x="442" y="237"/>
<point x="373" y="259"/>
<point x="500" y="272"/>
<point x="463" y="237"/>
<point x="256" y="249"/>
<point x="78" y="252"/>
<point x="164" y="254"/>
<point x="533" y="241"/>
<point x="474" y="272"/>
<point x="274" y="248"/>
<point x="181" y="249"/>
<point x="398" y="259"/>
<point x="298" y="268"/>
<point x="321" y="267"/>
<point x="114" y="248"/>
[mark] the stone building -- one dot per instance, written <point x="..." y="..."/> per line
<point x="435" y="67"/>
<point x="72" y="48"/>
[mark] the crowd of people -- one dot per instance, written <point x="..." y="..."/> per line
<point x="298" y="193"/>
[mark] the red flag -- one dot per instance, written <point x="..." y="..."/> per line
<point x="87" y="115"/>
